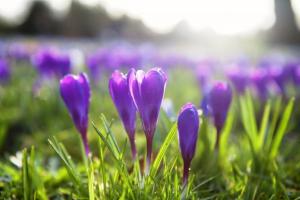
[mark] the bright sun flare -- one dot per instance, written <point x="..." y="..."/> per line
<point x="224" y="17"/>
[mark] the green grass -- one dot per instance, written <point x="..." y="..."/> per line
<point x="258" y="157"/>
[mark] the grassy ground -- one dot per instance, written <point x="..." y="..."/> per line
<point x="259" y="155"/>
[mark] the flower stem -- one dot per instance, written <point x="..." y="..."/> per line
<point x="86" y="145"/>
<point x="149" y="152"/>
<point x="133" y="148"/>
<point x="218" y="138"/>
<point x="185" y="177"/>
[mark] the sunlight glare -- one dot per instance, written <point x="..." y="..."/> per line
<point x="223" y="17"/>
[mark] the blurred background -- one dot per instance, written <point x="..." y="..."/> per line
<point x="253" y="45"/>
<point x="194" y="41"/>
<point x="192" y="26"/>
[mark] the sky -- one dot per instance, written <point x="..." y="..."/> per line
<point x="229" y="17"/>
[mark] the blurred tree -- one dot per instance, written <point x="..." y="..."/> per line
<point x="84" y="21"/>
<point x="285" y="29"/>
<point x="80" y="21"/>
<point x="40" y="20"/>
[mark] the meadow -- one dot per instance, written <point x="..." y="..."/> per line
<point x="241" y="140"/>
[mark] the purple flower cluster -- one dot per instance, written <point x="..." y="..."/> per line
<point x="239" y="79"/>
<point x="5" y="72"/>
<point x="18" y="52"/>
<point x="142" y="92"/>
<point x="109" y="59"/>
<point x="138" y="91"/>
<point x="260" y="80"/>
<point x="124" y="56"/>
<point x="266" y="78"/>
<point x="51" y="63"/>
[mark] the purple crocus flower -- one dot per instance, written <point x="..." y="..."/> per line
<point x="119" y="92"/>
<point x="278" y="75"/>
<point x="188" y="127"/>
<point x="219" y="99"/>
<point x="297" y="76"/>
<point x="239" y="79"/>
<point x="75" y="91"/>
<point x="203" y="74"/>
<point x="260" y="80"/>
<point x="4" y="71"/>
<point x="93" y="65"/>
<point x="97" y="62"/>
<point x="125" y="58"/>
<point x="289" y="70"/>
<point x="51" y="63"/>
<point x="204" y="105"/>
<point x="147" y="91"/>
<point x="63" y="64"/>
<point x="121" y="56"/>
<point x="168" y="61"/>
<point x="18" y="52"/>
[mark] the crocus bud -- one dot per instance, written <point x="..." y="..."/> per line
<point x="278" y="75"/>
<point x="203" y="75"/>
<point x="290" y="69"/>
<point x="18" y="52"/>
<point x="239" y="79"/>
<point x="4" y="71"/>
<point x="95" y="62"/>
<point x="297" y="77"/>
<point x="188" y="127"/>
<point x="147" y="91"/>
<point x="75" y="91"/>
<point x="51" y="63"/>
<point x="119" y="92"/>
<point x="219" y="99"/>
<point x="260" y="80"/>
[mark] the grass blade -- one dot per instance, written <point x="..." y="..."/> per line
<point x="91" y="179"/>
<point x="251" y="113"/>
<point x="263" y="126"/>
<point x="282" y="128"/>
<point x="225" y="134"/>
<point x="106" y="142"/>
<point x="273" y="124"/>
<point x="67" y="161"/>
<point x="26" y="185"/>
<point x="163" y="149"/>
<point x="108" y="131"/>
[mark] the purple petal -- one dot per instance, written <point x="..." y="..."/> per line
<point x="75" y="92"/>
<point x="219" y="101"/>
<point x="147" y="90"/>
<point x="119" y="91"/>
<point x="188" y="126"/>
